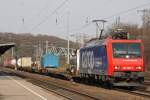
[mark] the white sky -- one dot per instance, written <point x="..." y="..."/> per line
<point x="34" y="11"/>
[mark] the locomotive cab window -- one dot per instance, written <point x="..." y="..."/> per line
<point x="126" y="50"/>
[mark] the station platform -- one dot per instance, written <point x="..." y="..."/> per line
<point x="16" y="88"/>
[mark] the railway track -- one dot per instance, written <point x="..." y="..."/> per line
<point x="138" y="92"/>
<point x="147" y="79"/>
<point x="141" y="91"/>
<point x="73" y="94"/>
<point x="64" y="91"/>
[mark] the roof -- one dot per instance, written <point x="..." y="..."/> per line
<point x="5" y="47"/>
<point x="96" y="42"/>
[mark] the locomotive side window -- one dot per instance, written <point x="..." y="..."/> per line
<point x="126" y="50"/>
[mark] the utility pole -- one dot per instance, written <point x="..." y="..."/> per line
<point x="144" y="11"/>
<point x="39" y="52"/>
<point x="146" y="20"/>
<point x="145" y="31"/>
<point x="16" y="56"/>
<point x="46" y="47"/>
<point x="117" y="22"/>
<point x="68" y="57"/>
<point x="98" y="29"/>
<point x="12" y="52"/>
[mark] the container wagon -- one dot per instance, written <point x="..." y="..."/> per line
<point x="52" y="64"/>
<point x="24" y="63"/>
<point x="50" y="61"/>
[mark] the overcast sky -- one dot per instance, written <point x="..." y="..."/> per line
<point x="35" y="16"/>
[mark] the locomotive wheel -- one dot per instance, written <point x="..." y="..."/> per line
<point x="109" y="85"/>
<point x="131" y="88"/>
<point x="141" y="80"/>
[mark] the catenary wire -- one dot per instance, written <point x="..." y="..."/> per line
<point x="41" y="22"/>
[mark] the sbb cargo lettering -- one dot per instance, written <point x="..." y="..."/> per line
<point x="88" y="59"/>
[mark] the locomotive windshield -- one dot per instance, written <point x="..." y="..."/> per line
<point x="126" y="50"/>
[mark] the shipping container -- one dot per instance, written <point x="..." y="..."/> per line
<point x="50" y="61"/>
<point x="9" y="62"/>
<point x="24" y="62"/>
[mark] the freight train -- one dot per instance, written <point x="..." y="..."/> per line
<point x="116" y="60"/>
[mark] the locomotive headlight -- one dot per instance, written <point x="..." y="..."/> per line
<point x="138" y="67"/>
<point x="116" y="67"/>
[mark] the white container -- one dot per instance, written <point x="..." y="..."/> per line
<point x="24" y="62"/>
<point x="13" y="62"/>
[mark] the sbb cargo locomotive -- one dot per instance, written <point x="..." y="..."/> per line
<point x="118" y="61"/>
